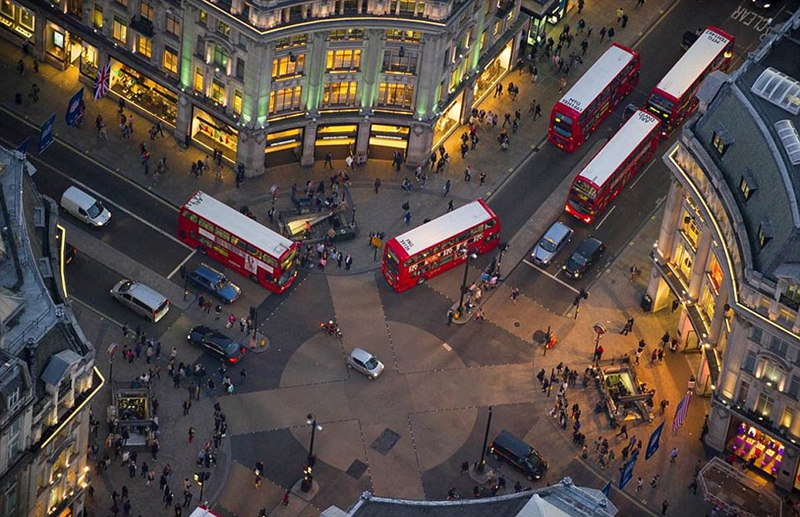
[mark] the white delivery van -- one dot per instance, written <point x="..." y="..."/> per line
<point x="141" y="299"/>
<point x="85" y="207"/>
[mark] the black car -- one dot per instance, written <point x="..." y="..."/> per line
<point x="217" y="342"/>
<point x="589" y="251"/>
<point x="521" y="455"/>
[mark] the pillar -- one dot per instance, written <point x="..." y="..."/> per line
<point x="362" y="139"/>
<point x="420" y="141"/>
<point x="700" y="261"/>
<point x="669" y="221"/>
<point x="309" y="139"/>
<point x="250" y="150"/>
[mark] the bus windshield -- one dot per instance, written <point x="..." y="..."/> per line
<point x="588" y="192"/>
<point x="660" y="104"/>
<point x="391" y="262"/>
<point x="562" y="124"/>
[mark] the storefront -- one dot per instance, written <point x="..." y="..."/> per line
<point x="88" y="62"/>
<point x="339" y="140"/>
<point x="213" y="133"/>
<point x="493" y="72"/>
<point x="385" y="140"/>
<point x="143" y="92"/>
<point x="449" y="119"/>
<point x="283" y="147"/>
<point x="760" y="450"/>
<point x="544" y="15"/>
<point x="17" y="18"/>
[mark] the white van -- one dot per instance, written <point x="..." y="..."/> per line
<point x="85" y="207"/>
<point x="141" y="299"/>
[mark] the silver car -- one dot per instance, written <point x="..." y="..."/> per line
<point x="551" y="243"/>
<point x="364" y="362"/>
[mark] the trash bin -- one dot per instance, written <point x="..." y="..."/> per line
<point x="647" y="303"/>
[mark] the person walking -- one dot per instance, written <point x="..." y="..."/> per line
<point x="446" y="188"/>
<point x="639" y="3"/>
<point x="624" y="20"/>
<point x="620" y="14"/>
<point x="407" y="218"/>
<point x="639" y="484"/>
<point x="328" y="160"/>
<point x="627" y="327"/>
<point x="602" y="34"/>
<point x="664" y="507"/>
<point x="348" y="262"/>
<point x="623" y="430"/>
<point x="377" y="184"/>
<point x="514" y="295"/>
<point x="610" y="34"/>
<point x="191" y="434"/>
<point x="537" y="112"/>
<point x="673" y="454"/>
<point x="450" y="206"/>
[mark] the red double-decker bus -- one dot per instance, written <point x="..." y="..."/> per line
<point x="439" y="245"/>
<point x="587" y="104"/>
<point x="237" y="241"/>
<point x="604" y="177"/>
<point x="673" y="98"/>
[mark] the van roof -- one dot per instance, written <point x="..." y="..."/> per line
<point x="143" y="292"/>
<point x="513" y="442"/>
<point x="80" y="197"/>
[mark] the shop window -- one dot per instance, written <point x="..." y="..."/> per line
<point x="170" y="60"/>
<point x="146" y="10"/>
<point x="749" y="364"/>
<point x="794" y="387"/>
<point x="498" y="26"/>
<point x="97" y="16"/>
<point x="217" y="92"/>
<point x="220" y="57"/>
<point x="287" y="99"/>
<point x="721" y="139"/>
<point x="237" y="102"/>
<point x="349" y="59"/>
<point x="288" y="66"/>
<point x="402" y="60"/>
<point x="120" y="32"/>
<point x="764" y="405"/>
<point x="26" y="18"/>
<point x="144" y="46"/>
<point x="748" y="184"/>
<point x="340" y="93"/>
<point x="395" y="94"/>
<point x="689" y="229"/>
<point x="173" y="25"/>
<point x="8" y="9"/>
<point x="223" y="29"/>
<point x="707" y="303"/>
<point x="198" y="80"/>
<point x="744" y="390"/>
<point x="346" y="34"/>
<point x="765" y="232"/>
<point x="240" y="68"/>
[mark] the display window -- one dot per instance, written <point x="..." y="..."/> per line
<point x="213" y="132"/>
<point x="143" y="92"/>
<point x="338" y="139"/>
<point x="448" y="120"/>
<point x="17" y="18"/>
<point x="760" y="450"/>
<point x="493" y="73"/>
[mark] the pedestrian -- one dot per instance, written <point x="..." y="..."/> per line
<point x="464" y="467"/>
<point x="624" y="20"/>
<point x="602" y="34"/>
<point x="514" y="294"/>
<point x="446" y="188"/>
<point x="21" y="68"/>
<point x="348" y="262"/>
<point x="482" y="178"/>
<point x="654" y="481"/>
<point x="377" y="184"/>
<point x="285" y="499"/>
<point x="627" y="327"/>
<point x="537" y="112"/>
<point x="620" y="13"/>
<point x="610" y="34"/>
<point x="187" y="497"/>
<point x="562" y="82"/>
<point x="693" y="486"/>
<point x="407" y="218"/>
<point x="639" y="3"/>
<point x="191" y="434"/>
<point x="187" y="405"/>
<point x="328" y="160"/>
<point x="468" y="173"/>
<point x="450" y="206"/>
<point x="664" y="507"/>
<point x="639" y="484"/>
<point x="623" y="430"/>
<point x="673" y="454"/>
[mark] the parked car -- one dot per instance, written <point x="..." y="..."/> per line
<point x="215" y="282"/>
<point x="217" y="343"/>
<point x="588" y="252"/>
<point x="141" y="299"/>
<point x="518" y="453"/>
<point x="364" y="362"/>
<point x="551" y="243"/>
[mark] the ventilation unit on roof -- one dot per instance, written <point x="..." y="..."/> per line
<point x="790" y="139"/>
<point x="779" y="89"/>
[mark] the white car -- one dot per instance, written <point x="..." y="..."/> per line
<point x="366" y="363"/>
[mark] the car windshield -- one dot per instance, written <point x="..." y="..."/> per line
<point x="231" y="348"/>
<point x="125" y="286"/>
<point x="95" y="210"/>
<point x="221" y="284"/>
<point x="547" y="245"/>
<point x="371" y="363"/>
<point x="579" y="259"/>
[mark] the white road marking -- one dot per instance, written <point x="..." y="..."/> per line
<point x="605" y="217"/>
<point x="542" y="271"/>
<point x="642" y="174"/>
<point x="447" y="347"/>
<point x="178" y="267"/>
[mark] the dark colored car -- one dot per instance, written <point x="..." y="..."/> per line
<point x="215" y="282"/>
<point x="217" y="342"/>
<point x="516" y="452"/>
<point x="589" y="251"/>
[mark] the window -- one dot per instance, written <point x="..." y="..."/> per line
<point x="220" y="57"/>
<point x="749" y="184"/>
<point x="13" y="400"/>
<point x="144" y="46"/>
<point x="292" y="41"/>
<point x="123" y="3"/>
<point x="97" y="19"/>
<point x="787" y="416"/>
<point x="170" y="60"/>
<point x="344" y="59"/>
<point x="778" y="347"/>
<point x="773" y="373"/>
<point x="346" y="34"/>
<point x="749" y="364"/>
<point x="339" y="93"/>
<point x="689" y="229"/>
<point x="794" y="387"/>
<point x="756" y="334"/>
<point x="240" y="68"/>
<point x="715" y="274"/>
<point x="401" y="35"/>
<point x="287" y="99"/>
<point x="146" y="10"/>
<point x="395" y="94"/>
<point x="402" y="60"/>
<point x="765" y="232"/>
<point x="198" y="80"/>
<point x="721" y="139"/>
<point x="120" y="31"/>
<point x="12" y="439"/>
<point x="173" y="25"/>
<point x="10" y="500"/>
<point x="237" y="102"/>
<point x="203" y="18"/>
<point x="791" y="297"/>
<point x="217" y="92"/>
<point x="288" y="66"/>
<point x="764" y="405"/>
<point x="223" y="29"/>
<point x="744" y="390"/>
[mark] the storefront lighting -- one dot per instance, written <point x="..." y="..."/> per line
<point x="86" y="468"/>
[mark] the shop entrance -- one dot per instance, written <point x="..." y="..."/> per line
<point x="283" y="147"/>
<point x="759" y="450"/>
<point x="339" y="140"/>
<point x="385" y="140"/>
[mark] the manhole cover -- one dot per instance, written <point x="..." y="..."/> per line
<point x="516" y="324"/>
<point x="356" y="469"/>
<point x="384" y="443"/>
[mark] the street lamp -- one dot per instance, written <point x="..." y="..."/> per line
<point x="482" y="462"/>
<point x="308" y="478"/>
<point x="471" y="254"/>
<point x="201" y="478"/>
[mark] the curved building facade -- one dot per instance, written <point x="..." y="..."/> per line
<point x="270" y="82"/>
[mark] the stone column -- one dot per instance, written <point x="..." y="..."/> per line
<point x="183" y="122"/>
<point x="700" y="261"/>
<point x="309" y="140"/>
<point x="669" y="222"/>
<point x="250" y="150"/>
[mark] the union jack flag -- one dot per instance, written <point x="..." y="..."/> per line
<point x="681" y="411"/>
<point x="102" y="83"/>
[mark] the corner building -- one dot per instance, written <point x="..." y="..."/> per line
<point x="728" y="256"/>
<point x="270" y="82"/>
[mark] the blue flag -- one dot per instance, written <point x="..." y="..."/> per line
<point x="74" y="107"/>
<point x="46" y="135"/>
<point x="607" y="489"/>
<point x="23" y="146"/>
<point x="627" y="470"/>
<point x="654" y="441"/>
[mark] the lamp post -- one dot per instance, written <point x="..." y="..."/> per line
<point x="482" y="463"/>
<point x="201" y="478"/>
<point x="308" y="477"/>
<point x="599" y="329"/>
<point x="471" y="254"/>
<point x="112" y="350"/>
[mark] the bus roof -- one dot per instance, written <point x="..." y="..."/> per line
<point x="689" y="67"/>
<point x="443" y="227"/>
<point x="594" y="81"/>
<point x="617" y="150"/>
<point x="238" y="224"/>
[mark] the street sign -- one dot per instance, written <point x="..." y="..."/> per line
<point x="74" y="107"/>
<point x="46" y="135"/>
<point x="627" y="470"/>
<point x="653" y="442"/>
<point x="599" y="328"/>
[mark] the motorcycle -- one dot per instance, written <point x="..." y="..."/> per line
<point x="331" y="327"/>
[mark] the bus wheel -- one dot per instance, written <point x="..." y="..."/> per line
<point x="254" y="279"/>
<point x="421" y="280"/>
<point x="202" y="250"/>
